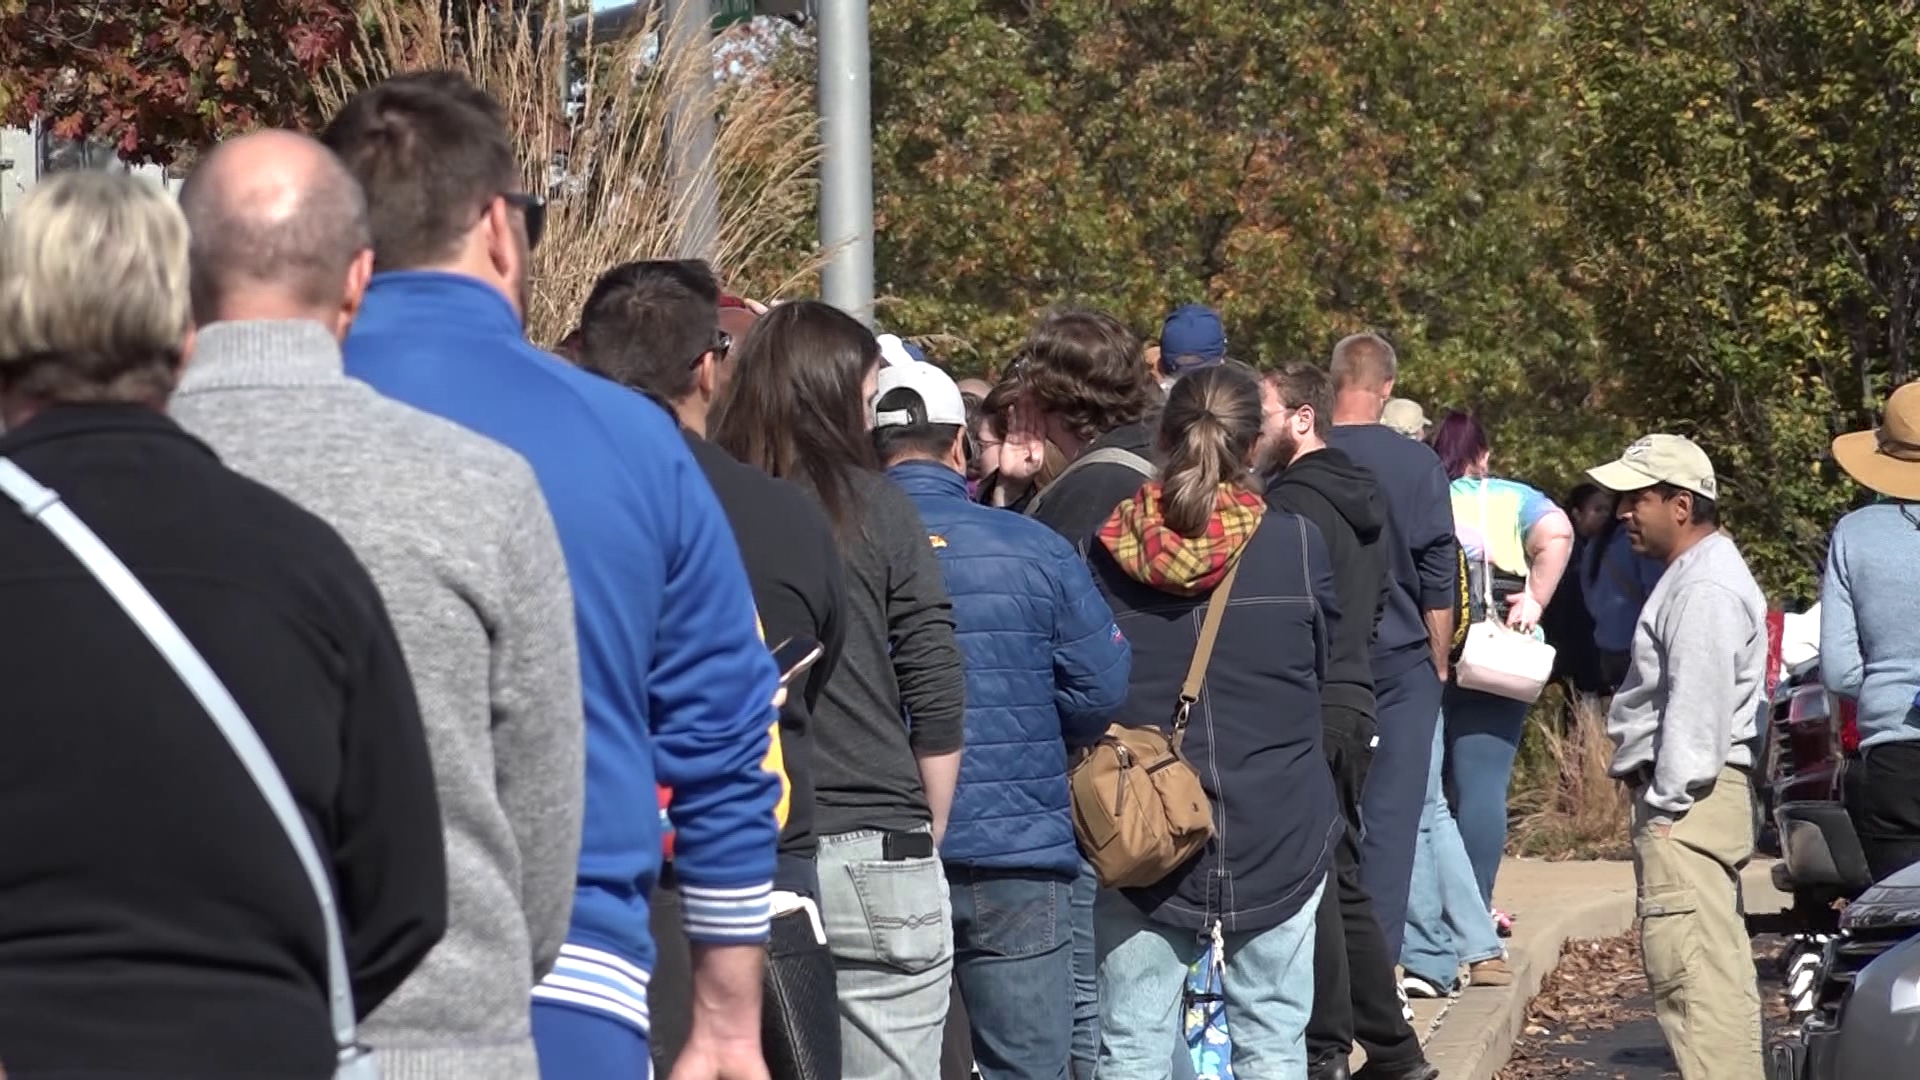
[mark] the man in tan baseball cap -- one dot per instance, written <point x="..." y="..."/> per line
<point x="1405" y="416"/>
<point x="1682" y="725"/>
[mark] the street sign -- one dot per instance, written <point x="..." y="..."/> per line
<point x="613" y="23"/>
<point x="728" y="12"/>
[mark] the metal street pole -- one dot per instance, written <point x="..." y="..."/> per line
<point x="846" y="167"/>
<point x="689" y="56"/>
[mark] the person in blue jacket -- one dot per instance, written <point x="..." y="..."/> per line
<point x="678" y="686"/>
<point x="1046" y="668"/>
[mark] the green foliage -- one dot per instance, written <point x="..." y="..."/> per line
<point x="1584" y="219"/>
<point x="1309" y="169"/>
<point x="1743" y="175"/>
<point x="160" y="77"/>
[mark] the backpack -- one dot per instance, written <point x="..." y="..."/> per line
<point x="1139" y="811"/>
<point x="1106" y="455"/>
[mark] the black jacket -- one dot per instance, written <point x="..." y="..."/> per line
<point x="1078" y="504"/>
<point x="1254" y="736"/>
<point x="154" y="920"/>
<point x="901" y="660"/>
<point x="800" y="589"/>
<point x="1343" y="501"/>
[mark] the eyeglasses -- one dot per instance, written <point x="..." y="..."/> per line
<point x="533" y="208"/>
<point x="722" y="345"/>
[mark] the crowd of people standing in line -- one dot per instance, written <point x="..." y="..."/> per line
<point x="501" y="621"/>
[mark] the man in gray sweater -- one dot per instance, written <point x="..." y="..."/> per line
<point x="457" y="536"/>
<point x="1682" y="725"/>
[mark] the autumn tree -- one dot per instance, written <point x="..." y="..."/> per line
<point x="160" y="77"/>
<point x="1743" y="175"/>
<point x="1310" y="169"/>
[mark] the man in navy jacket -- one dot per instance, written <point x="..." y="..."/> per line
<point x="1046" y="668"/>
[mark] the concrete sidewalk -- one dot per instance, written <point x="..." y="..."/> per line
<point x="1470" y="1037"/>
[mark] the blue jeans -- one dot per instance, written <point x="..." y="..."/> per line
<point x="889" y="924"/>
<point x="1483" y="735"/>
<point x="1086" y="979"/>
<point x="1268" y="987"/>
<point x="1013" y="955"/>
<point x="1407" y="708"/>
<point x="1447" y="924"/>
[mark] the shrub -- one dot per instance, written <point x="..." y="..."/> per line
<point x="603" y="161"/>
<point x="1563" y="803"/>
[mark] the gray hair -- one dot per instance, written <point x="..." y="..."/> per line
<point x="93" y="290"/>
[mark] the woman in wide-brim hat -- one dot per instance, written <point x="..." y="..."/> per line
<point x="1870" y="631"/>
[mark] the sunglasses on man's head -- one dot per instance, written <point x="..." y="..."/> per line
<point x="533" y="208"/>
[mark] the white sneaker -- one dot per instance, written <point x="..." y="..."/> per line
<point x="1416" y="986"/>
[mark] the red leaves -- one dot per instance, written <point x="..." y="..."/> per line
<point x="165" y="77"/>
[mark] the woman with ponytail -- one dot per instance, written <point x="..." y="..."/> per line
<point x="1253" y="736"/>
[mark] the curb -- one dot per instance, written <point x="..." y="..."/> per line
<point x="1482" y="1024"/>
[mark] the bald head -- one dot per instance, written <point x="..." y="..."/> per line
<point x="278" y="226"/>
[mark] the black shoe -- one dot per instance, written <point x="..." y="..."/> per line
<point x="1418" y="1070"/>
<point x="1331" y="1067"/>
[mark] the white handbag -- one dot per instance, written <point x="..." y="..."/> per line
<point x="1497" y="660"/>
<point x="352" y="1061"/>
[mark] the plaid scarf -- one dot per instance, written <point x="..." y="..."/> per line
<point x="1152" y="554"/>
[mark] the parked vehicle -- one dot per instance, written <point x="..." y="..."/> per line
<point x="1865" y="1021"/>
<point x="1799" y="814"/>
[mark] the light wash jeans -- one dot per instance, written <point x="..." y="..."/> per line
<point x="890" y="926"/>
<point x="1447" y="923"/>
<point x="1268" y="986"/>
<point x="1086" y="982"/>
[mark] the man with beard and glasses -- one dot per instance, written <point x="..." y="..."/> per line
<point x="678" y="686"/>
<point x="1353" y="997"/>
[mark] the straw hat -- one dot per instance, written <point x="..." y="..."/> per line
<point x="1887" y="459"/>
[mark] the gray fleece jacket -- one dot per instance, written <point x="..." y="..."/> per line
<point x="456" y="534"/>
<point x="1691" y="699"/>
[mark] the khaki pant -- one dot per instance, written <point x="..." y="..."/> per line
<point x="1693" y="935"/>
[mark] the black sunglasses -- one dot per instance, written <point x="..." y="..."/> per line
<point x="533" y="208"/>
<point x="722" y="345"/>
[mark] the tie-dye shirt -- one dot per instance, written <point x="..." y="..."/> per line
<point x="1512" y="509"/>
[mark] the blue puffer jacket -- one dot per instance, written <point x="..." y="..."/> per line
<point x="1046" y="668"/>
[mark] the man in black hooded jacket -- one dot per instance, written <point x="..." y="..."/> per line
<point x="1354" y="997"/>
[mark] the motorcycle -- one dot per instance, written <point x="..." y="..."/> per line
<point x="1805" y="741"/>
<point x="1864" y="1021"/>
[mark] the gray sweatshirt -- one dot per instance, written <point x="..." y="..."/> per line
<point x="1692" y="696"/>
<point x="456" y="534"/>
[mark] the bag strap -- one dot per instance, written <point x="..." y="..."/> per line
<point x="1203" y="652"/>
<point x="43" y="505"/>
<point x="1106" y="455"/>
<point x="1486" y="555"/>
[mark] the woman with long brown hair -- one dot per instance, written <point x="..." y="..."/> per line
<point x="1253" y="736"/>
<point x="797" y="407"/>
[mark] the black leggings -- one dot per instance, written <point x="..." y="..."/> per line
<point x="1882" y="792"/>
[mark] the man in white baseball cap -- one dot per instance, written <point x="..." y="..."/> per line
<point x="1046" y="670"/>
<point x="1683" y="724"/>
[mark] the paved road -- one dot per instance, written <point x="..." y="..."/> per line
<point x="1634" y="1050"/>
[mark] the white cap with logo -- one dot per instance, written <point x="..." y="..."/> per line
<point x="939" y="398"/>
